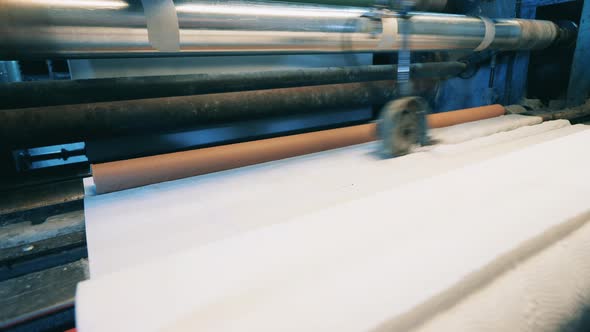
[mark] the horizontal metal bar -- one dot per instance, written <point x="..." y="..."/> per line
<point x="422" y="5"/>
<point x="48" y="93"/>
<point x="118" y="28"/>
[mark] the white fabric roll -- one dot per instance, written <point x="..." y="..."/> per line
<point x="403" y="250"/>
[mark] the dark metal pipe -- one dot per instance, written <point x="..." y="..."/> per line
<point x="48" y="93"/>
<point x="72" y="123"/>
<point x="571" y="114"/>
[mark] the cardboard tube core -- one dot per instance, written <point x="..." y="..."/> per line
<point x="452" y="118"/>
<point x="131" y="173"/>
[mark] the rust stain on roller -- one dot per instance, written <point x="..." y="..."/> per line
<point x="125" y="174"/>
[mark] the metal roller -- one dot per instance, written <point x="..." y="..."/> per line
<point x="422" y="5"/>
<point x="115" y="28"/>
<point x="36" y="126"/>
<point x="63" y="92"/>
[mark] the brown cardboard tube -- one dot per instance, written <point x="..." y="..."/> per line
<point x="125" y="174"/>
<point x="447" y="119"/>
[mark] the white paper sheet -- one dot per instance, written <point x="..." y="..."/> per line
<point x="388" y="260"/>
<point x="548" y="292"/>
<point x="136" y="225"/>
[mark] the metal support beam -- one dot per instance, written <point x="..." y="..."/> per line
<point x="515" y="87"/>
<point x="579" y="83"/>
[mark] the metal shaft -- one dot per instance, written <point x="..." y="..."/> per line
<point x="37" y="126"/>
<point x="422" y="5"/>
<point x="48" y="93"/>
<point x="114" y="28"/>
